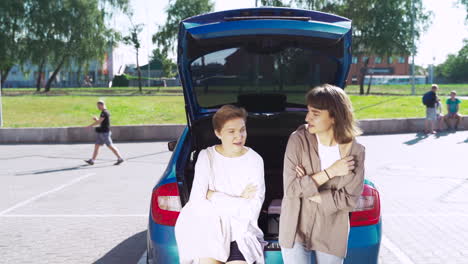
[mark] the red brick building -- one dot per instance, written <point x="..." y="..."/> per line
<point x="395" y="65"/>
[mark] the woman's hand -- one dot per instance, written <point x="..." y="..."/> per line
<point x="316" y="198"/>
<point x="209" y="193"/>
<point x="249" y="191"/>
<point x="341" y="167"/>
<point x="300" y="171"/>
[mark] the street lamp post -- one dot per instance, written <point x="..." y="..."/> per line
<point x="1" y="106"/>
<point x="413" y="88"/>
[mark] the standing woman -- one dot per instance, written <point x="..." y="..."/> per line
<point x="219" y="223"/>
<point x="323" y="179"/>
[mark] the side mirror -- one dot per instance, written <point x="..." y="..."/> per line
<point x="171" y="145"/>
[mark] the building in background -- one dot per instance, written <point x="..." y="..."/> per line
<point x="96" y="74"/>
<point x="382" y="70"/>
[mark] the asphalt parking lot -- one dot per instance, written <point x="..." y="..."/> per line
<point x="56" y="209"/>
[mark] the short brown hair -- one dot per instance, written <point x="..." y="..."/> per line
<point x="226" y="113"/>
<point x="336" y="101"/>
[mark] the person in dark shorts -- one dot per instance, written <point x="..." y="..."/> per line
<point x="103" y="134"/>
<point x="429" y="100"/>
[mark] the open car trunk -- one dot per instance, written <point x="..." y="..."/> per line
<point x="265" y="60"/>
<point x="268" y="136"/>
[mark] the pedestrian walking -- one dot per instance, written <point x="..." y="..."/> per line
<point x="103" y="134"/>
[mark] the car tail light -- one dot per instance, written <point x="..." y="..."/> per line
<point x="165" y="204"/>
<point x="367" y="211"/>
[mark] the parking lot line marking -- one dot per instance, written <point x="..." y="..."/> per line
<point x="399" y="254"/>
<point x="427" y="215"/>
<point x="71" y="215"/>
<point x="32" y="199"/>
<point x="143" y="258"/>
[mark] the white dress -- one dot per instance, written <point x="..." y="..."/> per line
<point x="204" y="227"/>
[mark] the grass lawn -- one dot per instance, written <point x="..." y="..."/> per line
<point x="444" y="89"/>
<point x="94" y="91"/>
<point x="57" y="111"/>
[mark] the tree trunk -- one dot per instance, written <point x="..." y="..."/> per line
<point x="78" y="76"/>
<point x="369" y="85"/>
<point x="54" y="74"/>
<point x="4" y="73"/>
<point x="363" y="76"/>
<point x="139" y="73"/>
<point x="39" y="76"/>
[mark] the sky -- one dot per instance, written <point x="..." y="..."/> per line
<point x="444" y="36"/>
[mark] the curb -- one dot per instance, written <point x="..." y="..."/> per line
<point x="86" y="135"/>
<point x="63" y="135"/>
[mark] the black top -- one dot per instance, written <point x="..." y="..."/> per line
<point x="105" y="124"/>
<point x="432" y="99"/>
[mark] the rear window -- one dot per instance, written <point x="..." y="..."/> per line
<point x="224" y="76"/>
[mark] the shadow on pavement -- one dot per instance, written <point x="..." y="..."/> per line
<point x="379" y="103"/>
<point x="419" y="136"/>
<point x="128" y="251"/>
<point x="79" y="167"/>
<point x="443" y="134"/>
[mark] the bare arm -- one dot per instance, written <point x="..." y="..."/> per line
<point x="96" y="121"/>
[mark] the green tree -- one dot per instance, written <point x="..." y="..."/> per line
<point x="40" y="37"/>
<point x="12" y="33"/>
<point x="133" y="40"/>
<point x="381" y="28"/>
<point x="80" y="33"/>
<point x="455" y="67"/>
<point x="168" y="66"/>
<point x="54" y="32"/>
<point x="273" y="3"/>
<point x="177" y="11"/>
<point x="50" y="24"/>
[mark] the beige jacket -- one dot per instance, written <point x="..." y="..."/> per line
<point x="323" y="227"/>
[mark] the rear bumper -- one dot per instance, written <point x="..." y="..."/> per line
<point x="162" y="247"/>
<point x="363" y="245"/>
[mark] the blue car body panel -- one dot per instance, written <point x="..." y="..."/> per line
<point x="364" y="242"/>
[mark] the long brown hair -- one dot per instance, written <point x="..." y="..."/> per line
<point x="336" y="101"/>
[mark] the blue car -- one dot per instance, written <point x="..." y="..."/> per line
<point x="265" y="60"/>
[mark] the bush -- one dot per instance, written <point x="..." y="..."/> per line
<point x="120" y="81"/>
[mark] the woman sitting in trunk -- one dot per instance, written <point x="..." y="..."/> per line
<point x="219" y="223"/>
<point x="323" y="179"/>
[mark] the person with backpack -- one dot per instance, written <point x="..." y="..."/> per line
<point x="429" y="99"/>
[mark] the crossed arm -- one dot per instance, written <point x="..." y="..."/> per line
<point x="299" y="183"/>
<point x="246" y="206"/>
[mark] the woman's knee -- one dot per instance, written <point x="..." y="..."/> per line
<point x="209" y="261"/>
